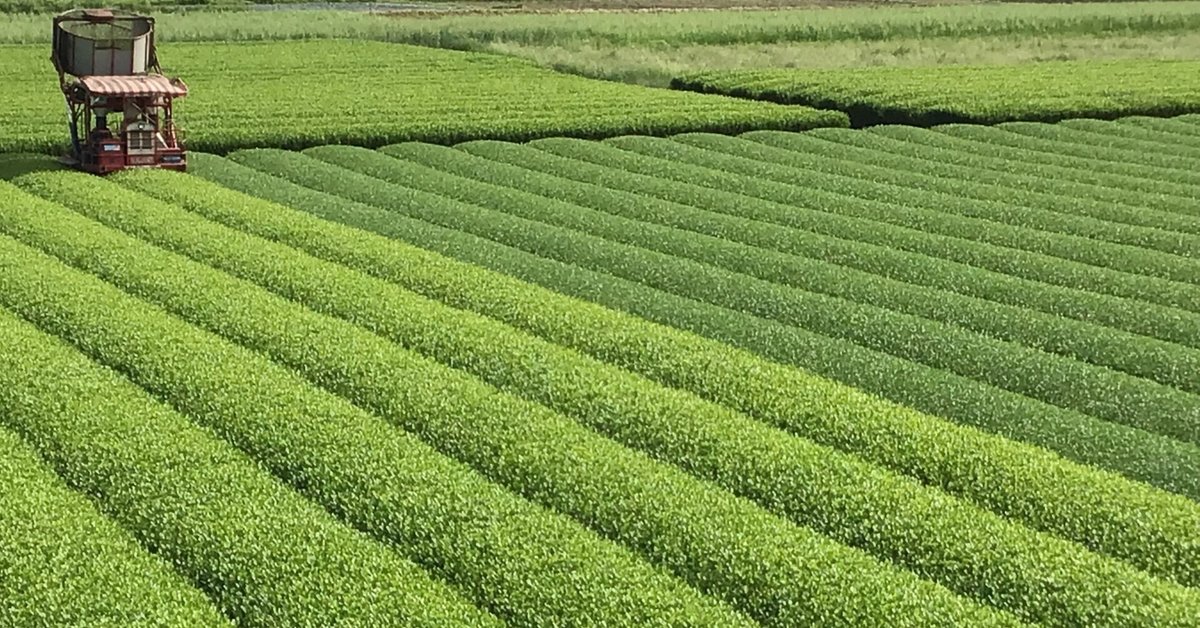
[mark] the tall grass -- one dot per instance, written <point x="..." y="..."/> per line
<point x="661" y="30"/>
<point x="713" y="28"/>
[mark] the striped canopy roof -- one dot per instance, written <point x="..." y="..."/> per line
<point x="137" y="85"/>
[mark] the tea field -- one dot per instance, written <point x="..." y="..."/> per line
<point x="436" y="331"/>
<point x="895" y="376"/>
<point x="302" y="93"/>
<point x="925" y="96"/>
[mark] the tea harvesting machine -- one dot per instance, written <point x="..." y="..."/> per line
<point x="119" y="103"/>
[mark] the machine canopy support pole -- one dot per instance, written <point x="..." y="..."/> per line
<point x="73" y="124"/>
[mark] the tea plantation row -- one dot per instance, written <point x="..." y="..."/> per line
<point x="905" y="376"/>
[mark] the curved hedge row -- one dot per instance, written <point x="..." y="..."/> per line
<point x="1141" y="137"/>
<point x="916" y="444"/>
<point x="219" y="519"/>
<point x="64" y="563"/>
<point x="970" y="241"/>
<point x="1178" y="127"/>
<point x="727" y="547"/>
<point x="1088" y="170"/>
<point x="481" y="539"/>
<point x="908" y="148"/>
<point x="1064" y="382"/>
<point x="1092" y="211"/>
<point x="1123" y="250"/>
<point x="873" y="247"/>
<point x="1057" y="141"/>
<point x="1086" y="133"/>
<point x="883" y="513"/>
<point x="715" y="240"/>
<point x="996" y="141"/>
<point x="1156" y="459"/>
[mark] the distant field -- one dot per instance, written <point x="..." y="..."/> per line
<point x="975" y="94"/>
<point x="463" y="6"/>
<point x="650" y="48"/>
<point x="173" y="6"/>
<point x="667" y="29"/>
<point x="370" y="93"/>
<point x="870" y="23"/>
<point x="456" y="6"/>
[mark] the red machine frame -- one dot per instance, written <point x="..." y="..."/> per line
<point x="146" y="136"/>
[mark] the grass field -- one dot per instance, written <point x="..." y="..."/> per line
<point x="573" y="29"/>
<point x="869" y="23"/>
<point x="652" y="47"/>
<point x="373" y="93"/>
<point x="546" y="383"/>
<point x="656" y="66"/>
<point x="449" y="6"/>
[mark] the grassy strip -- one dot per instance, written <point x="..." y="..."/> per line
<point x="725" y="546"/>
<point x="63" y="562"/>
<point x="924" y="147"/>
<point x="640" y="224"/>
<point x="882" y="513"/>
<point x="525" y="564"/>
<point x="1083" y="207"/>
<point x="1060" y="141"/>
<point x="1002" y="224"/>
<point x="1162" y="461"/>
<point x="963" y="239"/>
<point x="868" y="246"/>
<point x="981" y="94"/>
<point x="1003" y="476"/>
<point x="263" y="554"/>
<point x="1013" y="148"/>
<point x="1064" y="382"/>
